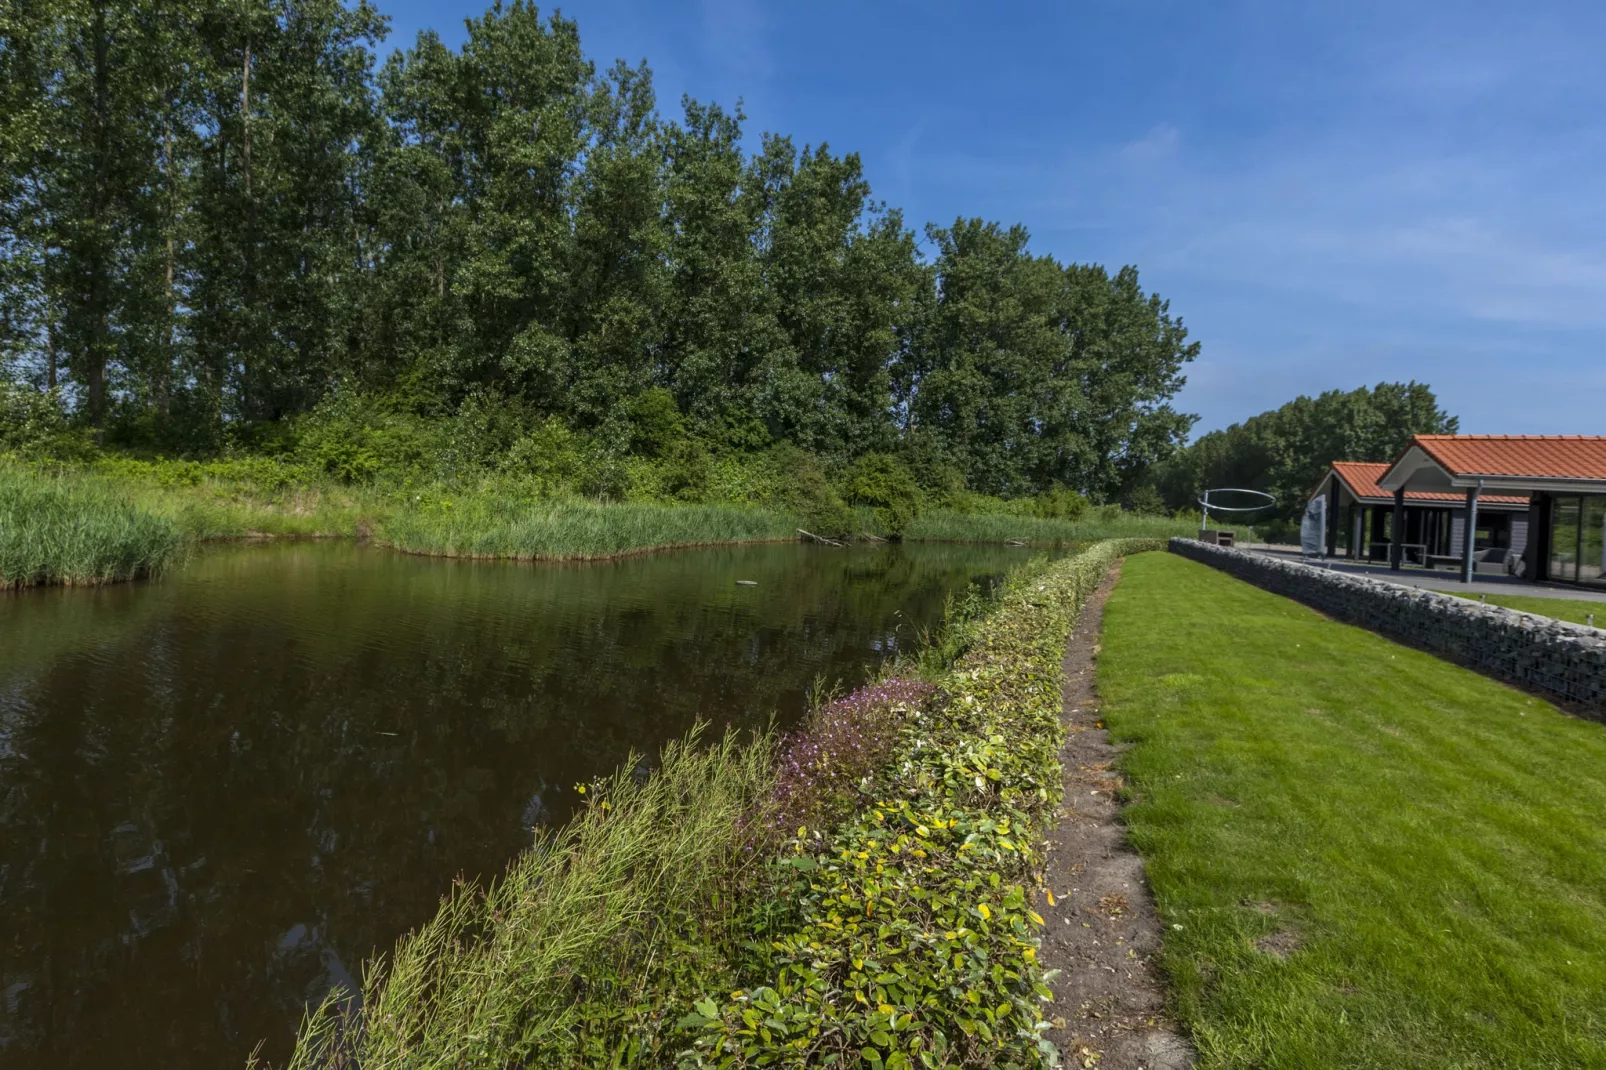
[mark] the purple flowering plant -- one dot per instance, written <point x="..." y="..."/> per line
<point x="825" y="766"/>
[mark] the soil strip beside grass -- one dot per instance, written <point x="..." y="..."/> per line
<point x="1102" y="931"/>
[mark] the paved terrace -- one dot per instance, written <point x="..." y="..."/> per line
<point x="1438" y="579"/>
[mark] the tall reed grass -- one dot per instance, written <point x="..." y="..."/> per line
<point x="945" y="526"/>
<point x="493" y="527"/>
<point x="69" y="529"/>
<point x="589" y="948"/>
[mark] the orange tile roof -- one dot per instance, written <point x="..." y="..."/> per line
<point x="1533" y="456"/>
<point x="1362" y="476"/>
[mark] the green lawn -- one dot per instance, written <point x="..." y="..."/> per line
<point x="1572" y="609"/>
<point x="1424" y="848"/>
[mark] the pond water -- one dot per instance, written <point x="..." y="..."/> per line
<point x="221" y="792"/>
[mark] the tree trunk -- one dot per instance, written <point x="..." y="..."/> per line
<point x="99" y="311"/>
<point x="164" y="374"/>
<point x="50" y="348"/>
<point x="249" y="290"/>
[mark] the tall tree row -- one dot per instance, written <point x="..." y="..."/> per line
<point x="213" y="213"/>
<point x="1286" y="450"/>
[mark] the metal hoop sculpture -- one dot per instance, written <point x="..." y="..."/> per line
<point x="1204" y="516"/>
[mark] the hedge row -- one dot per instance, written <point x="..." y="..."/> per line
<point x="910" y="938"/>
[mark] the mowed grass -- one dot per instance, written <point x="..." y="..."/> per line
<point x="1576" y="610"/>
<point x="71" y="530"/>
<point x="1364" y="856"/>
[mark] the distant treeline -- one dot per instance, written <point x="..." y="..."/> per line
<point x="216" y="215"/>
<point x="1285" y="451"/>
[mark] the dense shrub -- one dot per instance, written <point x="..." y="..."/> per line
<point x="885" y="483"/>
<point x="34" y="425"/>
<point x="655" y="422"/>
<point x="1060" y="503"/>
<point x="355" y="438"/>
<point x="799" y="483"/>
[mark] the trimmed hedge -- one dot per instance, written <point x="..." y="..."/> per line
<point x="911" y="938"/>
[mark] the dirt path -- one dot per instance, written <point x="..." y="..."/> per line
<point x="1102" y="933"/>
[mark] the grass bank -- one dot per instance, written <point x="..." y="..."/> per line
<point x="1576" y="610"/>
<point x="858" y="892"/>
<point x="1366" y="856"/>
<point x="67" y="529"/>
<point x="589" y="948"/>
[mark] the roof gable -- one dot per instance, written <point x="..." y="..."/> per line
<point x="1361" y="477"/>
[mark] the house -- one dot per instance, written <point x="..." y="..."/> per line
<point x="1360" y="514"/>
<point x="1563" y="476"/>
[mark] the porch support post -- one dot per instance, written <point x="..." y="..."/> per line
<point x="1332" y="518"/>
<point x="1397" y="531"/>
<point x="1468" y="540"/>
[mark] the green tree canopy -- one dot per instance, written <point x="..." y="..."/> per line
<point x="215" y="215"/>
<point x="1286" y="450"/>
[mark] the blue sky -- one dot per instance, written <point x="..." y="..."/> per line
<point x="1330" y="194"/>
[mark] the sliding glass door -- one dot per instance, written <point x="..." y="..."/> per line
<point x="1564" y="539"/>
<point x="1578" y="540"/>
<point x="1592" y="542"/>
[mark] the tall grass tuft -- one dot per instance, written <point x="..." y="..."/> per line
<point x="67" y="529"/>
<point x="589" y="948"/>
<point x="492" y="527"/>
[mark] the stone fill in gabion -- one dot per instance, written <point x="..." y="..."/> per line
<point x="1534" y="652"/>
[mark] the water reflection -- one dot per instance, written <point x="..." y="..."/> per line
<point x="218" y="794"/>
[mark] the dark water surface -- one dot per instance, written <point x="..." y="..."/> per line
<point x="221" y="792"/>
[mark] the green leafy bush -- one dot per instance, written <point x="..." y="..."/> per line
<point x="356" y="438"/>
<point x="1060" y="503"/>
<point x="655" y="422"/>
<point x="34" y="425"/>
<point x="550" y="457"/>
<point x="885" y="483"/>
<point x="797" y="482"/>
<point x="685" y="470"/>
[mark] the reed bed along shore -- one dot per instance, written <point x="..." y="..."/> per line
<point x="492" y="528"/>
<point x="65" y="529"/>
<point x="122" y="519"/>
<point x="946" y="526"/>
<point x="857" y="893"/>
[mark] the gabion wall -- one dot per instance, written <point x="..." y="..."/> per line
<point x="1538" y="653"/>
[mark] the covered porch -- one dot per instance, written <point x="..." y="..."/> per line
<point x="1562" y="478"/>
<point x="1362" y="522"/>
